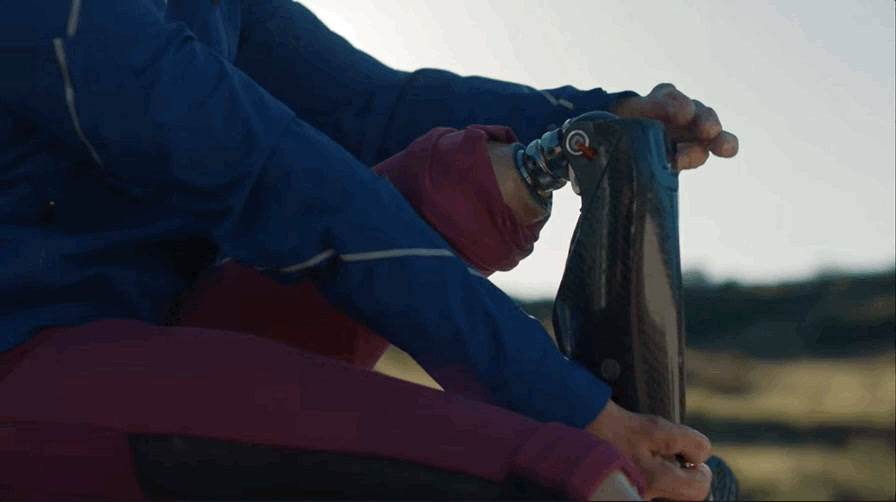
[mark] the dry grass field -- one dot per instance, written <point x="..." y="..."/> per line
<point x="796" y="429"/>
<point x="813" y="429"/>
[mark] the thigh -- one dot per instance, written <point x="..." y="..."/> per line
<point x="235" y="297"/>
<point x="197" y="413"/>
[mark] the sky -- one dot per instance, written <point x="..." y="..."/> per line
<point x="807" y="87"/>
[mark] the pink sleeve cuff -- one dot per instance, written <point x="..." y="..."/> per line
<point x="570" y="461"/>
<point x="447" y="177"/>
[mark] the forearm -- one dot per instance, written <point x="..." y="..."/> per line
<point x="433" y="97"/>
<point x="374" y="111"/>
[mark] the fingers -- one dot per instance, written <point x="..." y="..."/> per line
<point x="704" y="126"/>
<point x="665" y="438"/>
<point x="646" y="439"/>
<point x="691" y="155"/>
<point x="667" y="481"/>
<point x="725" y="145"/>
<point x="707" y="125"/>
<point x="690" y="444"/>
<point x="709" y="131"/>
<point x="671" y="106"/>
<point x="695" y="126"/>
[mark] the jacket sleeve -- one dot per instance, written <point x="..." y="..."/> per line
<point x="157" y="114"/>
<point x="374" y="111"/>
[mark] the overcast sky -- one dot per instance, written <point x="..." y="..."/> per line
<point x="808" y="87"/>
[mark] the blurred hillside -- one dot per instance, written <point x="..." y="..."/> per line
<point x="832" y="315"/>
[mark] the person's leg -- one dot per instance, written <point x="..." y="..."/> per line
<point x="235" y="297"/>
<point x="125" y="410"/>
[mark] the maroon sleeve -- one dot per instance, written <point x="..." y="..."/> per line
<point x="447" y="177"/>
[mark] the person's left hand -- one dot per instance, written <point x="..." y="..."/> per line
<point x="691" y="124"/>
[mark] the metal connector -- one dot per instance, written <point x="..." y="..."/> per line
<point x="544" y="164"/>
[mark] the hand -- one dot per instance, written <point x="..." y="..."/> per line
<point x="646" y="440"/>
<point x="694" y="126"/>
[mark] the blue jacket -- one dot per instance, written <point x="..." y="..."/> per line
<point x="141" y="140"/>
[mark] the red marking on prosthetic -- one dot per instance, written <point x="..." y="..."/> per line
<point x="589" y="152"/>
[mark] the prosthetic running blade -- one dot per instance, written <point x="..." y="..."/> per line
<point x="619" y="309"/>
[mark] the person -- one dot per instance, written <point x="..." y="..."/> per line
<point x="158" y="153"/>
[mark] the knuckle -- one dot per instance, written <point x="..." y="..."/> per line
<point x="653" y="419"/>
<point x="671" y="482"/>
<point x="679" y="96"/>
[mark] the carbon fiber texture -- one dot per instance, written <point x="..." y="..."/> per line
<point x="619" y="309"/>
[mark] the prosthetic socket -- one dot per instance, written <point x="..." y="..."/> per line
<point x="546" y="163"/>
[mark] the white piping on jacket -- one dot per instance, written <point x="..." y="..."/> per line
<point x="73" y="15"/>
<point x="554" y="101"/>
<point x="395" y="253"/>
<point x="59" y="48"/>
<point x="310" y="262"/>
<point x="475" y="273"/>
<point x="70" y="98"/>
<point x="368" y="256"/>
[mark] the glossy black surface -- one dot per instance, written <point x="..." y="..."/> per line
<point x="619" y="307"/>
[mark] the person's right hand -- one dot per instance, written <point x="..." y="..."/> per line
<point x="646" y="440"/>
